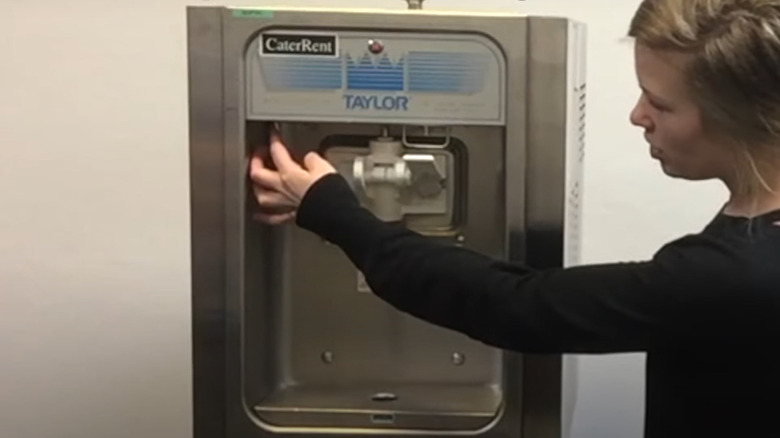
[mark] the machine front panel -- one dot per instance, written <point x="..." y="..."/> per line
<point x="393" y="77"/>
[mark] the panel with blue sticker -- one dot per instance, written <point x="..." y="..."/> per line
<point x="392" y="78"/>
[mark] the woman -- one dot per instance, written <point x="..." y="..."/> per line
<point x="706" y="307"/>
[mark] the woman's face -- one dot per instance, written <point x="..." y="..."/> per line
<point x="672" y="121"/>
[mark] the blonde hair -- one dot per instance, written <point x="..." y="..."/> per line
<point x="734" y="72"/>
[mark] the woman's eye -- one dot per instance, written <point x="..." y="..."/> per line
<point x="658" y="106"/>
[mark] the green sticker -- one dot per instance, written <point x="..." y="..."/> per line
<point x="253" y="13"/>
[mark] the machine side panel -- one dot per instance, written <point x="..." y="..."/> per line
<point x="575" y="156"/>
<point x="575" y="141"/>
<point x="204" y="31"/>
<point x="545" y="207"/>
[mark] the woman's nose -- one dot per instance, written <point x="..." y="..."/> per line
<point x="639" y="115"/>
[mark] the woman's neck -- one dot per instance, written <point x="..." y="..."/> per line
<point x="756" y="190"/>
<point x="761" y="201"/>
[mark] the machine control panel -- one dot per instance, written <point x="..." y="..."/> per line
<point x="368" y="77"/>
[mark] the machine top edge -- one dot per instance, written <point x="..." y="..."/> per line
<point x="401" y="11"/>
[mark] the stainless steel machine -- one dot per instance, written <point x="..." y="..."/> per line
<point x="466" y="127"/>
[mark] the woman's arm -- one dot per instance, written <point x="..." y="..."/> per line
<point x="662" y="303"/>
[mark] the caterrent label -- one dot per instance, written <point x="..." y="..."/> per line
<point x="300" y="44"/>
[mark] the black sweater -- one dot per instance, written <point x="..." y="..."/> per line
<point x="705" y="308"/>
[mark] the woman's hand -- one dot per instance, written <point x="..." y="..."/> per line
<point x="279" y="192"/>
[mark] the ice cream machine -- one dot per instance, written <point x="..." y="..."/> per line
<point x="466" y="127"/>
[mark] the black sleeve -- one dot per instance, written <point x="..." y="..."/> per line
<point x="620" y="307"/>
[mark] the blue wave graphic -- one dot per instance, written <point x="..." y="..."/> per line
<point x="446" y="72"/>
<point x="421" y="71"/>
<point x="366" y="74"/>
<point x="302" y="74"/>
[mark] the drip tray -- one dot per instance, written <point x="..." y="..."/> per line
<point x="419" y="407"/>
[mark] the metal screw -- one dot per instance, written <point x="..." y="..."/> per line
<point x="458" y="359"/>
<point x="384" y="397"/>
<point x="327" y="357"/>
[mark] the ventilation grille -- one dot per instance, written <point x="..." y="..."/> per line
<point x="581" y="93"/>
<point x="575" y="176"/>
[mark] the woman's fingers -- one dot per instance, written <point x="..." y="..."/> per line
<point x="272" y="199"/>
<point x="287" y="186"/>
<point x="274" y="218"/>
<point x="317" y="165"/>
<point x="263" y="176"/>
<point x="282" y="159"/>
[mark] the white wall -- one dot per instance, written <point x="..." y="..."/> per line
<point x="94" y="250"/>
